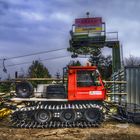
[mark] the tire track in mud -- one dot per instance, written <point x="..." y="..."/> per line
<point x="108" y="130"/>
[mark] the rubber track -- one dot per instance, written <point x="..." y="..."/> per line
<point x="31" y="123"/>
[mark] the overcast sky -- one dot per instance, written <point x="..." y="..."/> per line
<point x="28" y="26"/>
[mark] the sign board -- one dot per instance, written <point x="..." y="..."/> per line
<point x="88" y="25"/>
<point x="88" y="29"/>
<point x="97" y="21"/>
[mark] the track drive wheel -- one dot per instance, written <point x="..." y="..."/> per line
<point x="19" y="116"/>
<point x="93" y="115"/>
<point x="43" y="116"/>
<point x="68" y="116"/>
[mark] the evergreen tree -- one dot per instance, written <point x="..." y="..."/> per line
<point x="5" y="87"/>
<point x="74" y="63"/>
<point x="38" y="70"/>
<point x="103" y="63"/>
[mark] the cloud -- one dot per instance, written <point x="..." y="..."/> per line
<point x="61" y="16"/>
<point x="33" y="16"/>
<point x="3" y="7"/>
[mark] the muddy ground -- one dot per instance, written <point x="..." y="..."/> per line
<point x="107" y="131"/>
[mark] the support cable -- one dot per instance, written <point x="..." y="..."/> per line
<point x="26" y="55"/>
<point x="32" y="61"/>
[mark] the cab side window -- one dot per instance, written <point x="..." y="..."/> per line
<point x="86" y="78"/>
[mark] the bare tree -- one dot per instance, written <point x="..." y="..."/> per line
<point x="132" y="61"/>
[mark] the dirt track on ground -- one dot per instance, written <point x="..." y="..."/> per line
<point x="107" y="131"/>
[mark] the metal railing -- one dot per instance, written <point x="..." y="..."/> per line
<point x="117" y="87"/>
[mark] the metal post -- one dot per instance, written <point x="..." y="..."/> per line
<point x="116" y="62"/>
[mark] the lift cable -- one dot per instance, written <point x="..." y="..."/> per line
<point x="26" y="55"/>
<point x="39" y="60"/>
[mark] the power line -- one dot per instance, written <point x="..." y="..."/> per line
<point x="26" y="55"/>
<point x="39" y="60"/>
<point x="32" y="61"/>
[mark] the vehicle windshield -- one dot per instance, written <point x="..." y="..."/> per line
<point x="86" y="78"/>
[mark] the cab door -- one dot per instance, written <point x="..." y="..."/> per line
<point x="89" y="85"/>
